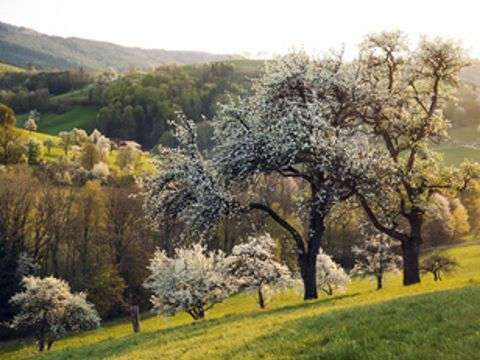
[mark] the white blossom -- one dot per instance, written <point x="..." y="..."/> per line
<point x="252" y="266"/>
<point x="31" y="125"/>
<point x="191" y="281"/>
<point x="376" y="255"/>
<point x="330" y="275"/>
<point x="49" y="308"/>
<point x="101" y="171"/>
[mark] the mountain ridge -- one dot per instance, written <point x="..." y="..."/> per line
<point x="25" y="47"/>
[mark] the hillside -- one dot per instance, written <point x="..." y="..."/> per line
<point x="82" y="117"/>
<point x="430" y="320"/>
<point x="5" y="68"/>
<point x="471" y="74"/>
<point x="23" y="47"/>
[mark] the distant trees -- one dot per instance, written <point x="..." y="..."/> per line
<point x="34" y="151"/>
<point x="138" y="107"/>
<point x="24" y="91"/>
<point x="252" y="266"/>
<point x="437" y="264"/>
<point x="192" y="281"/>
<point x="330" y="275"/>
<point x="47" y="307"/>
<point x="375" y="256"/>
<point x="8" y="135"/>
<point x="49" y="143"/>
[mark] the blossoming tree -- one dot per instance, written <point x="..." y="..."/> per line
<point x="192" y="281"/>
<point x="297" y="125"/>
<point x="404" y="93"/>
<point x="252" y="266"/>
<point x="330" y="275"/>
<point x="375" y="256"/>
<point x="48" y="306"/>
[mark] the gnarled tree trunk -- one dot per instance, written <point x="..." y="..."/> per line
<point x="308" y="261"/>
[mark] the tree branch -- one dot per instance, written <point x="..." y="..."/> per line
<point x="373" y="218"/>
<point x="282" y="222"/>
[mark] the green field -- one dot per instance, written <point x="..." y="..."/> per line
<point x="431" y="320"/>
<point x="51" y="123"/>
<point x="9" y="68"/>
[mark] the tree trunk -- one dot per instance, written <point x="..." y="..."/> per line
<point x="410" y="253"/>
<point x="41" y="343"/>
<point x="135" y="314"/>
<point x="379" y="281"/>
<point x="200" y="314"/>
<point x="261" y="300"/>
<point x="308" y="266"/>
<point x="308" y="262"/>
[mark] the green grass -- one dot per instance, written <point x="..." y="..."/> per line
<point x="431" y="320"/>
<point x="466" y="134"/>
<point x="455" y="154"/>
<point x="83" y="117"/>
<point x="453" y="150"/>
<point x="4" y="68"/>
<point x="75" y="95"/>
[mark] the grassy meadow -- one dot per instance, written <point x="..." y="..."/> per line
<point x="431" y="320"/>
<point x="83" y="117"/>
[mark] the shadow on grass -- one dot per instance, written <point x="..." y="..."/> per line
<point x="146" y="340"/>
<point x="428" y="326"/>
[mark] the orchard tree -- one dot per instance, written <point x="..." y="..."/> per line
<point x="31" y="125"/>
<point x="330" y="275"/>
<point x="438" y="264"/>
<point x="376" y="255"/>
<point x="34" y="151"/>
<point x="49" y="143"/>
<point x="404" y="92"/>
<point x="252" y="266"/>
<point x="66" y="140"/>
<point x="297" y="124"/>
<point x="192" y="281"/>
<point x="48" y="307"/>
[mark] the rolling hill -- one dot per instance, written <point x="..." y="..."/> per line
<point x="24" y="47"/>
<point x="431" y="320"/>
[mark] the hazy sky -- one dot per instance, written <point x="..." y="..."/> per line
<point x="245" y="25"/>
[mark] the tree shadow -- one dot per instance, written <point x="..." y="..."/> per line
<point x="146" y="340"/>
<point x="384" y="330"/>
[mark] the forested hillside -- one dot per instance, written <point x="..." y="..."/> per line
<point x="26" y="48"/>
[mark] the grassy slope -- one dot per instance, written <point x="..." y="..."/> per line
<point x="145" y="165"/>
<point x="429" y="321"/>
<point x="9" y="68"/>
<point x="51" y="123"/>
<point x="454" y="152"/>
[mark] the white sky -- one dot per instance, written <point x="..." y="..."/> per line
<point x="251" y="26"/>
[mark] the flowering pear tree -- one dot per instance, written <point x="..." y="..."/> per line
<point x="330" y="275"/>
<point x="48" y="307"/>
<point x="297" y="125"/>
<point x="192" y="281"/>
<point x="404" y="92"/>
<point x="375" y="256"/>
<point x="31" y="125"/>
<point x="252" y="266"/>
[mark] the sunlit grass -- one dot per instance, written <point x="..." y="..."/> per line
<point x="430" y="320"/>
<point x="83" y="117"/>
